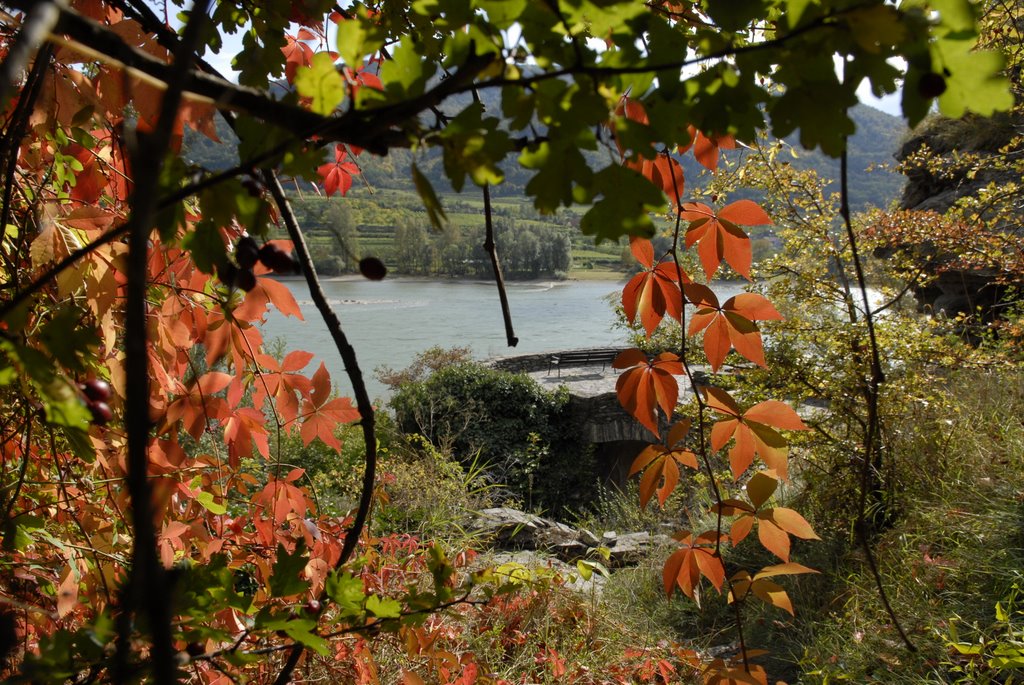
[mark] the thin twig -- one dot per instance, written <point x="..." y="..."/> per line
<point x="871" y="435"/>
<point x="363" y="403"/>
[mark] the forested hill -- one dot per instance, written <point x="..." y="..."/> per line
<point x="877" y="139"/>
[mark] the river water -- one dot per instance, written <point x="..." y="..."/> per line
<point x="389" y="321"/>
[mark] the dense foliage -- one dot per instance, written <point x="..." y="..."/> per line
<point x="154" y="529"/>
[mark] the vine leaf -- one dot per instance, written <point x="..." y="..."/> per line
<point x="662" y="464"/>
<point x="646" y="385"/>
<point x="720" y="237"/>
<point x="729" y="326"/>
<point x="321" y="414"/>
<point x="697" y="557"/>
<point x="743" y="584"/>
<point x="337" y="175"/>
<point x="654" y="292"/>
<point x="774" y="525"/>
<point x="753" y="430"/>
<point x="281" y="382"/>
<point x="706" y="148"/>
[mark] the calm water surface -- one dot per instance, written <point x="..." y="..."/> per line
<point x="389" y="321"/>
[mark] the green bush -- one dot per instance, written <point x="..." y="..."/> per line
<point x="524" y="437"/>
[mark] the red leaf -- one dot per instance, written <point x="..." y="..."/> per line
<point x="321" y="414"/>
<point x="652" y="293"/>
<point x="647" y="385"/>
<point x="338" y="175"/>
<point x="730" y="326"/>
<point x="720" y="238"/>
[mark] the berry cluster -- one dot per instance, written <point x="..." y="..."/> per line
<point x="97" y="394"/>
<point x="247" y="253"/>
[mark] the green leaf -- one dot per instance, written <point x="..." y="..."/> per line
<point x="974" y="79"/>
<point x="359" y="37"/>
<point x="321" y="82"/>
<point x="383" y="608"/>
<point x="405" y="74"/>
<point x="206" y="245"/>
<point x="286" y="580"/>
<point x="346" y="591"/>
<point x="206" y="500"/>
<point x="628" y="198"/>
<point x="18" y="531"/>
<point x="67" y="340"/>
<point x="438" y="219"/>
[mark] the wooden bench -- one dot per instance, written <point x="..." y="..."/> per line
<point x="581" y="358"/>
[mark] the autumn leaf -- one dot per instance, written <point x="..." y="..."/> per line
<point x="720" y="236"/>
<point x="696" y="558"/>
<point x="754" y="431"/>
<point x="321" y="415"/>
<point x="660" y="464"/>
<point x="338" y="174"/>
<point x="646" y="385"/>
<point x="729" y="326"/>
<point x="774" y="525"/>
<point x="281" y="382"/>
<point x="742" y="584"/>
<point x="297" y="54"/>
<point x="705" y="149"/>
<point x="654" y="292"/>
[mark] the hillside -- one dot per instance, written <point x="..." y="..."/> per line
<point x="876" y="141"/>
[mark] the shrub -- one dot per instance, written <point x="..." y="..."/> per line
<point x="523" y="436"/>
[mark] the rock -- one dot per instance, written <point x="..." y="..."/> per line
<point x="512" y="529"/>
<point x="631" y="548"/>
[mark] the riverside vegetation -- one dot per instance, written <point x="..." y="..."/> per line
<point x="220" y="514"/>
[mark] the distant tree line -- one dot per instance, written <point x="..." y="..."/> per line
<point x="458" y="252"/>
<point x="410" y="247"/>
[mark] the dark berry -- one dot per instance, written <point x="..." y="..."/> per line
<point x="227" y="273"/>
<point x="312" y="607"/>
<point x="195" y="649"/>
<point x="245" y="280"/>
<point x="96" y="390"/>
<point x="268" y="254"/>
<point x="101" y="413"/>
<point x="931" y="85"/>
<point x="247" y="252"/>
<point x="372" y="268"/>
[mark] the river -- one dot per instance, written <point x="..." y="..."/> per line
<point x="389" y="321"/>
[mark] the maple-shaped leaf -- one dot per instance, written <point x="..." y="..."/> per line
<point x="729" y="326"/>
<point x="720" y="236"/>
<point x="281" y="382"/>
<point x="337" y="175"/>
<point x="697" y="557"/>
<point x="743" y="584"/>
<point x="754" y="431"/>
<point x="662" y="464"/>
<point x="705" y="148"/>
<point x="654" y="292"/>
<point x="646" y="385"/>
<point x="322" y="414"/>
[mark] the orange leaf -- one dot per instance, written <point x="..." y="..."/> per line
<point x="654" y="292"/>
<point x="751" y="430"/>
<point x="719" y="236"/>
<point x="793" y="523"/>
<point x="321" y="414"/>
<point x="730" y="325"/>
<point x="647" y="385"/>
